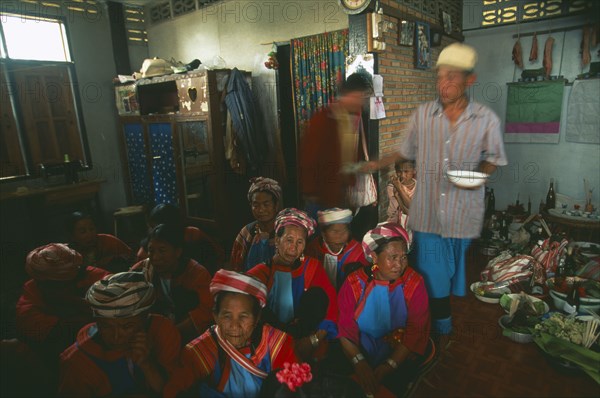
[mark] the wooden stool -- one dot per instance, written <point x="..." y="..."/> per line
<point x="125" y="220"/>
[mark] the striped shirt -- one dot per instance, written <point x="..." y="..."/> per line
<point x="438" y="206"/>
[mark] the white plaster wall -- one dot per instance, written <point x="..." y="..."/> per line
<point x="242" y="33"/>
<point x="94" y="62"/>
<point x="532" y="165"/>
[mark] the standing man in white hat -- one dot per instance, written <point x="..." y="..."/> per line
<point x="450" y="133"/>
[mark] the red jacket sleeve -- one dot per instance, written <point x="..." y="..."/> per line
<point x="197" y="278"/>
<point x="417" y="330"/>
<point x="80" y="377"/>
<point x="193" y="365"/>
<point x="261" y="272"/>
<point x="194" y="234"/>
<point x="166" y="341"/>
<point x="32" y="321"/>
<point x="286" y="353"/>
<point x="238" y="253"/>
<point x="347" y="326"/>
<point x="320" y="279"/>
<point x="111" y="248"/>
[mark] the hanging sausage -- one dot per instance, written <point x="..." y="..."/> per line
<point x="548" y="56"/>
<point x="517" y="54"/>
<point x="585" y="46"/>
<point x="533" y="54"/>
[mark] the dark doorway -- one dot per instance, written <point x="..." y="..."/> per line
<point x="287" y="124"/>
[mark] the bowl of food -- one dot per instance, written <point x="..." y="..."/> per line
<point x="565" y="293"/>
<point x="466" y="178"/>
<point x="489" y="292"/>
<point x="532" y="305"/>
<point x="517" y="334"/>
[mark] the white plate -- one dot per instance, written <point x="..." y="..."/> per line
<point x="485" y="299"/>
<point x="466" y="178"/>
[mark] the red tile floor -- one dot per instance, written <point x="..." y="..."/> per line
<point x="481" y="362"/>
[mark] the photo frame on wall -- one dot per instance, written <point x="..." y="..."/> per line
<point x="407" y="33"/>
<point x="436" y="37"/>
<point x="423" y="47"/>
<point x="447" y="22"/>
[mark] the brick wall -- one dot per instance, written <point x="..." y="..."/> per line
<point x="405" y="87"/>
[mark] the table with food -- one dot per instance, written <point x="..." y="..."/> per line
<point x="549" y="286"/>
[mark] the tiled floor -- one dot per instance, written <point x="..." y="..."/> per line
<point x="480" y="362"/>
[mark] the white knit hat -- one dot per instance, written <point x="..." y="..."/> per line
<point x="458" y="55"/>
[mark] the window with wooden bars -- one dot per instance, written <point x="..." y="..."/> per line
<point x="40" y="119"/>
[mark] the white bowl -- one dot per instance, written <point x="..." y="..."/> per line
<point x="517" y="337"/>
<point x="588" y="249"/>
<point x="490" y="300"/>
<point x="466" y="178"/>
<point x="534" y="299"/>
<point x="561" y="304"/>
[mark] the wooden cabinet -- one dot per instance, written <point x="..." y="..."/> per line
<point x="173" y="151"/>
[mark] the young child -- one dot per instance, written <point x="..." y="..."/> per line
<point x="126" y="351"/>
<point x="335" y="248"/>
<point x="400" y="190"/>
<point x="98" y="250"/>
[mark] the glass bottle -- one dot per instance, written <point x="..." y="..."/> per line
<point x="492" y="203"/>
<point x="529" y="206"/>
<point x="504" y="227"/>
<point x="551" y="197"/>
<point x="570" y="266"/>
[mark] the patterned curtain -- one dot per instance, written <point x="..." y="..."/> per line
<point x="318" y="65"/>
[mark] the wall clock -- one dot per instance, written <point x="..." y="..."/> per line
<point x="354" y="6"/>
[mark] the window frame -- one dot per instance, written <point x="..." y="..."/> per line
<point x="32" y="169"/>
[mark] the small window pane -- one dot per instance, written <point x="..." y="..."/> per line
<point x="35" y="39"/>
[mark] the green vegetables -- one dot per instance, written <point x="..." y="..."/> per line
<point x="564" y="327"/>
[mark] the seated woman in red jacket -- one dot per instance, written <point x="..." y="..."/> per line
<point x="181" y="284"/>
<point x="335" y="248"/>
<point x="384" y="319"/>
<point x="98" y="250"/>
<point x="301" y="300"/>
<point x="233" y="357"/>
<point x="255" y="243"/>
<point x="126" y="351"/>
<point x="52" y="308"/>
<point x="197" y="244"/>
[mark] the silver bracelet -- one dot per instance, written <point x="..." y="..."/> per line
<point x="392" y="363"/>
<point x="357" y="358"/>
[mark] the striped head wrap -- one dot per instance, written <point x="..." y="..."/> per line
<point x="231" y="281"/>
<point x="381" y="234"/>
<point x="263" y="184"/>
<point x="292" y="216"/>
<point x="121" y="295"/>
<point x="53" y="262"/>
<point x="334" y="216"/>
